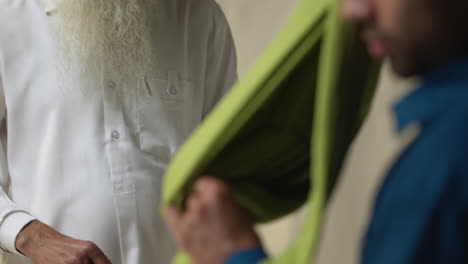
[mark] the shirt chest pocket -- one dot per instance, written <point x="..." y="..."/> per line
<point x="168" y="110"/>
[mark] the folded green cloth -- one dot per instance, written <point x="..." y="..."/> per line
<point x="280" y="136"/>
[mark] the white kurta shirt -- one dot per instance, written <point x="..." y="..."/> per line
<point x="91" y="165"/>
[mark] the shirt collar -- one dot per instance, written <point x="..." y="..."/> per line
<point x="439" y="89"/>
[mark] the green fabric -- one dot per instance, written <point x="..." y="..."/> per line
<point x="280" y="136"/>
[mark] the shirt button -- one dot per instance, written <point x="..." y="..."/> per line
<point x="111" y="84"/>
<point x="115" y="135"/>
<point x="172" y="91"/>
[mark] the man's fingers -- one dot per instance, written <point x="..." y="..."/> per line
<point x="100" y="259"/>
<point x="211" y="189"/>
<point x="208" y="183"/>
<point x="96" y="255"/>
<point x="173" y="217"/>
<point x="192" y="202"/>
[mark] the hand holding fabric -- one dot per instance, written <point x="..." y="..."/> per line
<point x="212" y="226"/>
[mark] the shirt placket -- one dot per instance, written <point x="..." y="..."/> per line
<point x="118" y="149"/>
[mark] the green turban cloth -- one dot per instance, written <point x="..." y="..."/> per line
<point x="279" y="138"/>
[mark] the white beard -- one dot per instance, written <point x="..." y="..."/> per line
<point x="109" y="35"/>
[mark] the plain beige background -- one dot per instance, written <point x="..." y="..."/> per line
<point x="254" y="24"/>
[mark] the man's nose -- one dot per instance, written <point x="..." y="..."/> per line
<point x="355" y="11"/>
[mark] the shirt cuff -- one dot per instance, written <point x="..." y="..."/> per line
<point x="249" y="256"/>
<point x="11" y="226"/>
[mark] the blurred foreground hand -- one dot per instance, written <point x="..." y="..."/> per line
<point x="212" y="226"/>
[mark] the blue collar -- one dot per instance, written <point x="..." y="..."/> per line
<point x="439" y="90"/>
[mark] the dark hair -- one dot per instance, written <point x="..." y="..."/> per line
<point x="452" y="15"/>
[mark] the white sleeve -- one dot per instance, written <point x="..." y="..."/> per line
<point x="221" y="68"/>
<point x="12" y="218"/>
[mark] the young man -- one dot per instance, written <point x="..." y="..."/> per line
<point x="421" y="210"/>
<point x="95" y="98"/>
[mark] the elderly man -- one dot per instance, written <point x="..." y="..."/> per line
<point x="421" y="210"/>
<point x="95" y="98"/>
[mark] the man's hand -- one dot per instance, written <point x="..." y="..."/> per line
<point x="213" y="226"/>
<point x="44" y="245"/>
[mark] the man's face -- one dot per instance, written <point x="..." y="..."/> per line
<point x="412" y="33"/>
